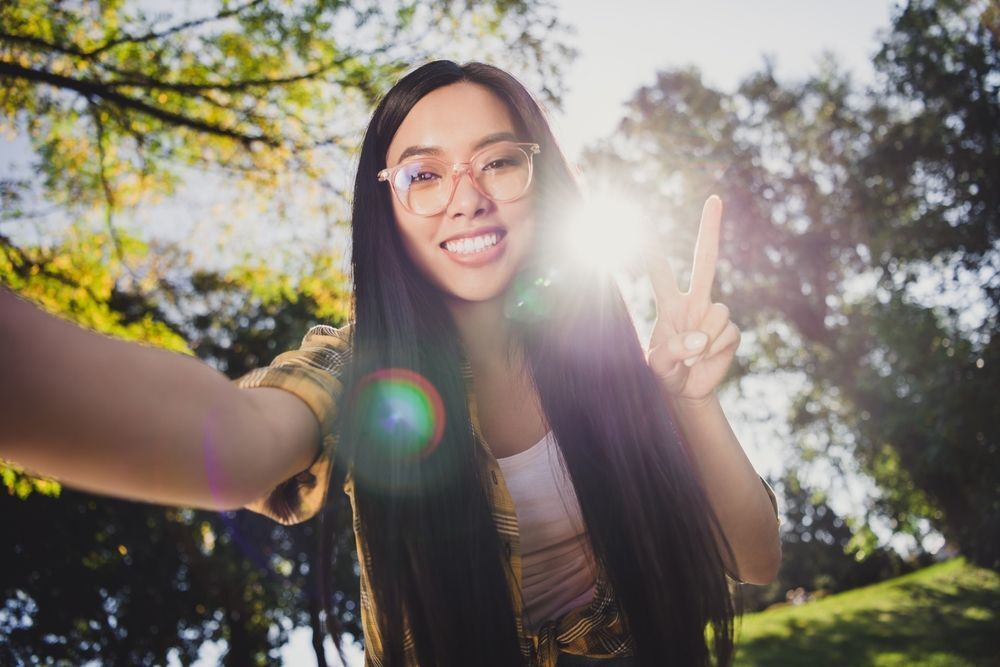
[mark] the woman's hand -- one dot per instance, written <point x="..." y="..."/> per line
<point x="693" y="341"/>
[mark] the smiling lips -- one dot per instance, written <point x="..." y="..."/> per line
<point x="472" y="244"/>
<point x="476" y="250"/>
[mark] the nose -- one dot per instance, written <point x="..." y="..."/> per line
<point x="467" y="200"/>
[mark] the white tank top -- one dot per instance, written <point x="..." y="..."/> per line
<point x="556" y="563"/>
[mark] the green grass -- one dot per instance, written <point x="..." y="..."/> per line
<point x="945" y="614"/>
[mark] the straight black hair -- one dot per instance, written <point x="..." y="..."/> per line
<point x="434" y="555"/>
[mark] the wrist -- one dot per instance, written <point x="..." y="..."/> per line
<point x="681" y="403"/>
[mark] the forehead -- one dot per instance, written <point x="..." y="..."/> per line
<point x="453" y="118"/>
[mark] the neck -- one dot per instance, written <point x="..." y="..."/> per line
<point x="484" y="331"/>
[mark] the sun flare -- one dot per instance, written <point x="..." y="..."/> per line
<point x="608" y="232"/>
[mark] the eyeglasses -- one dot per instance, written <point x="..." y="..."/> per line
<point x="501" y="172"/>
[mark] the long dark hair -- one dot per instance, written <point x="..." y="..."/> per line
<point x="433" y="551"/>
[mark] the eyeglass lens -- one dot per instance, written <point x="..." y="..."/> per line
<point x="425" y="185"/>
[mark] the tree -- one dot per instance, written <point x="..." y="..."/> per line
<point x="115" y="98"/>
<point x="120" y="106"/>
<point x="843" y="204"/>
<point x="816" y="543"/>
<point x="129" y="582"/>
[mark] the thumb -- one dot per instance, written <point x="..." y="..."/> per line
<point x="688" y="345"/>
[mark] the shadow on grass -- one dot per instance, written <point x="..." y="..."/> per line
<point x="927" y="627"/>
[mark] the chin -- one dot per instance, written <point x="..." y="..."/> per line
<point x="464" y="286"/>
<point x="467" y="294"/>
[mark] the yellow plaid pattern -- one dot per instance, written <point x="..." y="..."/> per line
<point x="311" y="373"/>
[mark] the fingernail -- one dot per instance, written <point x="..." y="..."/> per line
<point x="694" y="341"/>
<point x="691" y="362"/>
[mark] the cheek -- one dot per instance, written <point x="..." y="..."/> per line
<point x="417" y="235"/>
<point x="523" y="216"/>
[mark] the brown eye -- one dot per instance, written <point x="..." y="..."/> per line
<point x="500" y="163"/>
<point x="423" y="176"/>
<point x="419" y="173"/>
<point x="502" y="158"/>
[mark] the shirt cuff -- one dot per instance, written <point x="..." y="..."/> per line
<point x="312" y="373"/>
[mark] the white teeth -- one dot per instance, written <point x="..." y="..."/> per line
<point x="473" y="245"/>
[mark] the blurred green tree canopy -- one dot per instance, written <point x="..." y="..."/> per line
<point x="119" y="106"/>
<point x="88" y="577"/>
<point x="116" y="95"/>
<point x="816" y="544"/>
<point x="859" y="252"/>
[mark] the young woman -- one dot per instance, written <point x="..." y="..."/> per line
<point x="529" y="486"/>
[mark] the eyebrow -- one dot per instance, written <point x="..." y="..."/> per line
<point x="494" y="138"/>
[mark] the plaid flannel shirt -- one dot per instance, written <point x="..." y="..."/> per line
<point x="311" y="373"/>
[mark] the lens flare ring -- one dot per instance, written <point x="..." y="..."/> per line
<point x="402" y="411"/>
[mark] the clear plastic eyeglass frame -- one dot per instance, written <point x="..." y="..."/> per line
<point x="457" y="169"/>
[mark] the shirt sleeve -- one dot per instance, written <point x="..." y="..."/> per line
<point x="312" y="372"/>
<point x="774" y="499"/>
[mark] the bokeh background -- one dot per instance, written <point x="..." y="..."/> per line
<point x="179" y="173"/>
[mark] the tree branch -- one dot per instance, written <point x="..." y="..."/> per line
<point x="230" y="86"/>
<point x="152" y="34"/>
<point x="91" y="88"/>
<point x="38" y="42"/>
<point x="109" y="196"/>
<point x="140" y="80"/>
<point x="23" y="263"/>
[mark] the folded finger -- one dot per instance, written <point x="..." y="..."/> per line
<point x="713" y="323"/>
<point x="730" y="337"/>
<point x="715" y="320"/>
<point x="681" y="347"/>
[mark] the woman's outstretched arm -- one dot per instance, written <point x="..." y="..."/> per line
<point x="128" y="420"/>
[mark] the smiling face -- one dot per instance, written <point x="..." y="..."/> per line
<point x="453" y="124"/>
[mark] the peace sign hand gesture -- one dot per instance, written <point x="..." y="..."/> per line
<point x="693" y="340"/>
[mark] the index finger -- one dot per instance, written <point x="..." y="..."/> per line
<point x="706" y="250"/>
